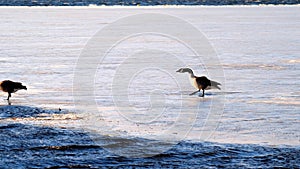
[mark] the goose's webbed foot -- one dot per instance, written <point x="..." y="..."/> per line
<point x="202" y="94"/>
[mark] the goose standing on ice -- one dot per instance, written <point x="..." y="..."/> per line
<point x="200" y="83"/>
<point x="11" y="87"/>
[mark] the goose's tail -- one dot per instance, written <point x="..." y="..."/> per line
<point x="215" y="84"/>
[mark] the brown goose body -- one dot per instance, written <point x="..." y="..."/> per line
<point x="200" y="83"/>
<point x="11" y="87"/>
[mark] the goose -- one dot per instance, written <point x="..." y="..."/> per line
<point x="11" y="87"/>
<point x="200" y="83"/>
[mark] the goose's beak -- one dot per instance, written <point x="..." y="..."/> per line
<point x="178" y="70"/>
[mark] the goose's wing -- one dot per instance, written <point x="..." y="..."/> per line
<point x="206" y="83"/>
<point x="203" y="82"/>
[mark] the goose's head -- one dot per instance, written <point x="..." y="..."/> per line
<point x="183" y="70"/>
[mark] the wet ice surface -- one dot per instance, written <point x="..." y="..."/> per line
<point x="258" y="48"/>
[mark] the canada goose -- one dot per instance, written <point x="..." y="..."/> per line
<point x="199" y="82"/>
<point x="11" y="87"/>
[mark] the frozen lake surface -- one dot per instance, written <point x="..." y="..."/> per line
<point x="252" y="122"/>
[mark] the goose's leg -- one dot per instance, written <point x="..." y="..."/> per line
<point x="202" y="93"/>
<point x="8" y="102"/>
<point x="9" y="95"/>
<point x="194" y="92"/>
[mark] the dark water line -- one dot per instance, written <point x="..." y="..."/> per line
<point x="142" y="2"/>
<point x="56" y="148"/>
<point x="29" y="146"/>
